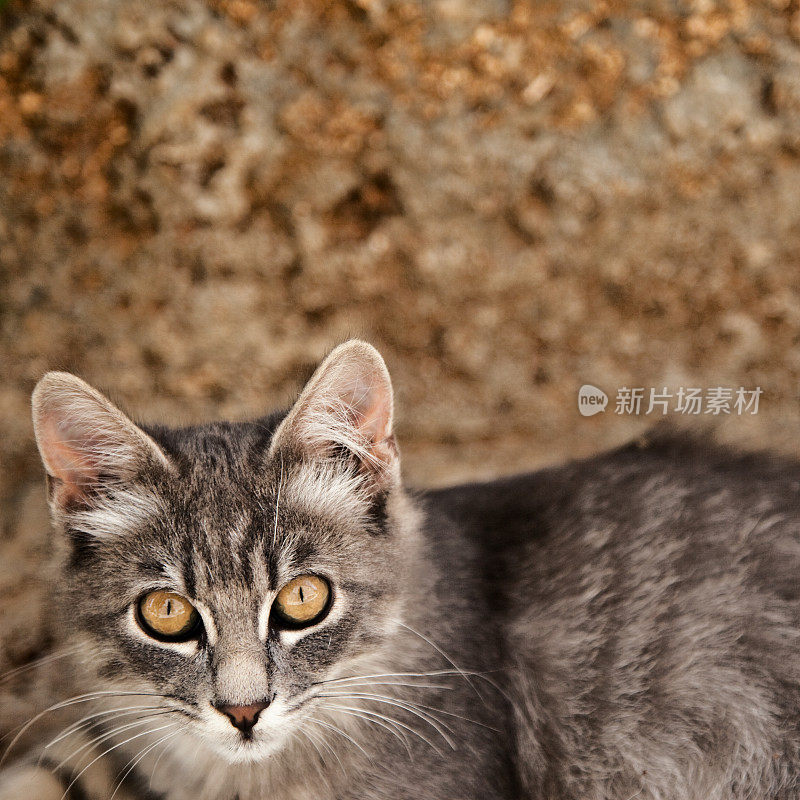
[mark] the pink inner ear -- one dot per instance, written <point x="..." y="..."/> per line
<point x="69" y="459"/>
<point x="370" y="403"/>
<point x="371" y="408"/>
<point x="82" y="438"/>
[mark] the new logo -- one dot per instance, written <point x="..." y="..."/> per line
<point x="591" y="400"/>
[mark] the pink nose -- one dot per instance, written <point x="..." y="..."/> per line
<point x="243" y="717"/>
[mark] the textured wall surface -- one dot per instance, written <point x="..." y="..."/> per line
<point x="510" y="199"/>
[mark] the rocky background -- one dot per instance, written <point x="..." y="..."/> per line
<point x="510" y="199"/>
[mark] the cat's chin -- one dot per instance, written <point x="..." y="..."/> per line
<point x="248" y="753"/>
<point x="244" y="751"/>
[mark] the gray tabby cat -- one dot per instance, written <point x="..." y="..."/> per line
<point x="259" y="610"/>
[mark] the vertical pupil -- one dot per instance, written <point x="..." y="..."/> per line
<point x="169" y="607"/>
<point x="302" y="599"/>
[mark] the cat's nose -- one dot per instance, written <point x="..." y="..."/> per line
<point x="243" y="717"/>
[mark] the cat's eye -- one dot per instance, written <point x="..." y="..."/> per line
<point x="168" y="616"/>
<point x="303" y="601"/>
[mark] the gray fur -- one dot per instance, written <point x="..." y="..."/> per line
<point x="623" y="627"/>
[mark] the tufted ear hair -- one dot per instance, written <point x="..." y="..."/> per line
<point x="85" y="441"/>
<point x="346" y="410"/>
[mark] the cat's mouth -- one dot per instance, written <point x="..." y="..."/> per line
<point x="254" y="743"/>
<point x="250" y="748"/>
<point x="249" y="742"/>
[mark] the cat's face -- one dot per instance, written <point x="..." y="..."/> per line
<point x="232" y="569"/>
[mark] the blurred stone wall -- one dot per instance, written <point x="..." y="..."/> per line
<point x="510" y="199"/>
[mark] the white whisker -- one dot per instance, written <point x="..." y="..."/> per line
<point x="108" y="750"/>
<point x="415" y="704"/>
<point x="341" y="733"/>
<point x="363" y="713"/>
<point x="125" y="711"/>
<point x="431" y="674"/>
<point x="277" y="504"/>
<point x="437" y="725"/>
<point x="312" y="737"/>
<point x="81" y="698"/>
<point x="39" y="662"/>
<point x="142" y="753"/>
<point x="104" y="736"/>
<point x="443" y="654"/>
<point x="390" y="683"/>
<point x="155" y="766"/>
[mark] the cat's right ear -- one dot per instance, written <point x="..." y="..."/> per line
<point x="346" y="409"/>
<point x="85" y="441"/>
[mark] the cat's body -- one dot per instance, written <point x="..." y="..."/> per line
<point x="650" y="603"/>
<point x="623" y="627"/>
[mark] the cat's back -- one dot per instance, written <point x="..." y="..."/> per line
<point x="664" y="499"/>
<point x="650" y="599"/>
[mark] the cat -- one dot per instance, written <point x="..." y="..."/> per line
<point x="259" y="610"/>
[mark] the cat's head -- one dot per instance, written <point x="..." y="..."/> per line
<point x="229" y="569"/>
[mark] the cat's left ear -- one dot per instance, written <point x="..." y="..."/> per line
<point x="346" y="411"/>
<point x="85" y="441"/>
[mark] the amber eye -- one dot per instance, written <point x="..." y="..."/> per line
<point x="302" y="601"/>
<point x="168" y="616"/>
